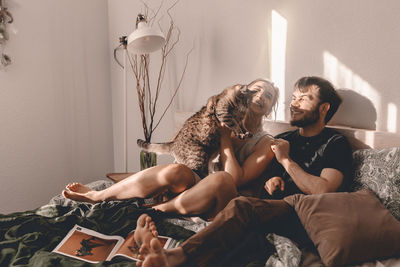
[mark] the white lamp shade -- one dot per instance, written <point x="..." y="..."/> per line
<point x="145" y="40"/>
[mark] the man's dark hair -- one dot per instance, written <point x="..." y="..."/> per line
<point x="327" y="93"/>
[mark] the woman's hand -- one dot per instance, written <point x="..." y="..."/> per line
<point x="224" y="131"/>
<point x="273" y="184"/>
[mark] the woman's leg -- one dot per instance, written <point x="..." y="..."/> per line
<point x="207" y="197"/>
<point x="147" y="183"/>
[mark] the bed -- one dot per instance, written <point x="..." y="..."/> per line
<point x="27" y="238"/>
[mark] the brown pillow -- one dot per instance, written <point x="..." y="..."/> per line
<point x="348" y="227"/>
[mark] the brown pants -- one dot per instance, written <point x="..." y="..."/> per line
<point x="230" y="226"/>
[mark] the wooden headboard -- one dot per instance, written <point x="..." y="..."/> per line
<point x="358" y="138"/>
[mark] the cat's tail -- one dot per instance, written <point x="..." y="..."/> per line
<point x="159" y="148"/>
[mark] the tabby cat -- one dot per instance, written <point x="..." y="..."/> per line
<point x="198" y="141"/>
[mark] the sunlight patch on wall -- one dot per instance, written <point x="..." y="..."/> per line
<point x="278" y="58"/>
<point x="369" y="138"/>
<point x="392" y="118"/>
<point x="343" y="77"/>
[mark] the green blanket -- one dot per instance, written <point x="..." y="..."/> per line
<point x="27" y="238"/>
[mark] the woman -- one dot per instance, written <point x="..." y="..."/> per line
<point x="242" y="161"/>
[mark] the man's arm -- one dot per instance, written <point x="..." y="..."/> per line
<point x="329" y="180"/>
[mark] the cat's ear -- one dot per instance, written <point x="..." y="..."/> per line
<point x="211" y="104"/>
<point x="244" y="89"/>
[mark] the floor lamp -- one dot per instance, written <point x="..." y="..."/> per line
<point x="143" y="40"/>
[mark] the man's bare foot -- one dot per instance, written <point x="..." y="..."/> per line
<point x="154" y="257"/>
<point x="79" y="192"/>
<point x="145" y="231"/>
<point x="151" y="251"/>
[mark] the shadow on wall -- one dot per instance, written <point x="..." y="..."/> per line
<point x="356" y="111"/>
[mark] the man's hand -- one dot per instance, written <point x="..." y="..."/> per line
<point x="281" y="149"/>
<point x="273" y="184"/>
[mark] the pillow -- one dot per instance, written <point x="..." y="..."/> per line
<point x="348" y="227"/>
<point x="379" y="171"/>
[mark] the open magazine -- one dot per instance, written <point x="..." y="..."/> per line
<point x="91" y="246"/>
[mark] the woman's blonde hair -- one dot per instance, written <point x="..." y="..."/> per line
<point x="275" y="89"/>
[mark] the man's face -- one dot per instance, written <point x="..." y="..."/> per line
<point x="304" y="107"/>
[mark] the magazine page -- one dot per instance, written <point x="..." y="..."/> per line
<point x="130" y="250"/>
<point x="88" y="245"/>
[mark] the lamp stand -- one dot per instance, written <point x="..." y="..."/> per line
<point x="125" y="108"/>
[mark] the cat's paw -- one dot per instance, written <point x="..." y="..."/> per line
<point x="243" y="136"/>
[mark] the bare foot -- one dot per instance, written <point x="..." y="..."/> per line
<point x="78" y="188"/>
<point x="151" y="251"/>
<point x="79" y="192"/>
<point x="145" y="231"/>
<point x="155" y="257"/>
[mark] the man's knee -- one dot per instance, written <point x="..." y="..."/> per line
<point x="240" y="207"/>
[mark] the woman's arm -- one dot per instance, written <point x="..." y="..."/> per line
<point x="253" y="166"/>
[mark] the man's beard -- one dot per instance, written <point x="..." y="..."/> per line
<point x="309" y="118"/>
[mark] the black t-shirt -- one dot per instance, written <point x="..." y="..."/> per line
<point x="328" y="149"/>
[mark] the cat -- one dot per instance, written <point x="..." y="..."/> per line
<point x="198" y="141"/>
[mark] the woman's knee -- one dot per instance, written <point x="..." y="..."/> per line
<point x="178" y="176"/>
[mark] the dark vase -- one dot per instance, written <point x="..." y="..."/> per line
<point x="147" y="159"/>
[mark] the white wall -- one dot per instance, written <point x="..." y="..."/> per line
<point x="55" y="100"/>
<point x="353" y="43"/>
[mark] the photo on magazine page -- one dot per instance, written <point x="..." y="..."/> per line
<point x="88" y="245"/>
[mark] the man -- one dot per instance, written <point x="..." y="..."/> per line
<point x="312" y="159"/>
<point x="319" y="159"/>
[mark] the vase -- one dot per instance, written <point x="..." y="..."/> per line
<point x="147" y="159"/>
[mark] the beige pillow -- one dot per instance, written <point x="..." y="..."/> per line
<point x="348" y="227"/>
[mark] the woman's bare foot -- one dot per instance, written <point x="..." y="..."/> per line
<point x="79" y="192"/>
<point x="151" y="251"/>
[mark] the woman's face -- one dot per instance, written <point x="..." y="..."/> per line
<point x="263" y="99"/>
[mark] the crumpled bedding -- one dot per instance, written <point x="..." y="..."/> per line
<point x="27" y="238"/>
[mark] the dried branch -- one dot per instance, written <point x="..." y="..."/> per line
<point x="176" y="89"/>
<point x="150" y="19"/>
<point x="147" y="98"/>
